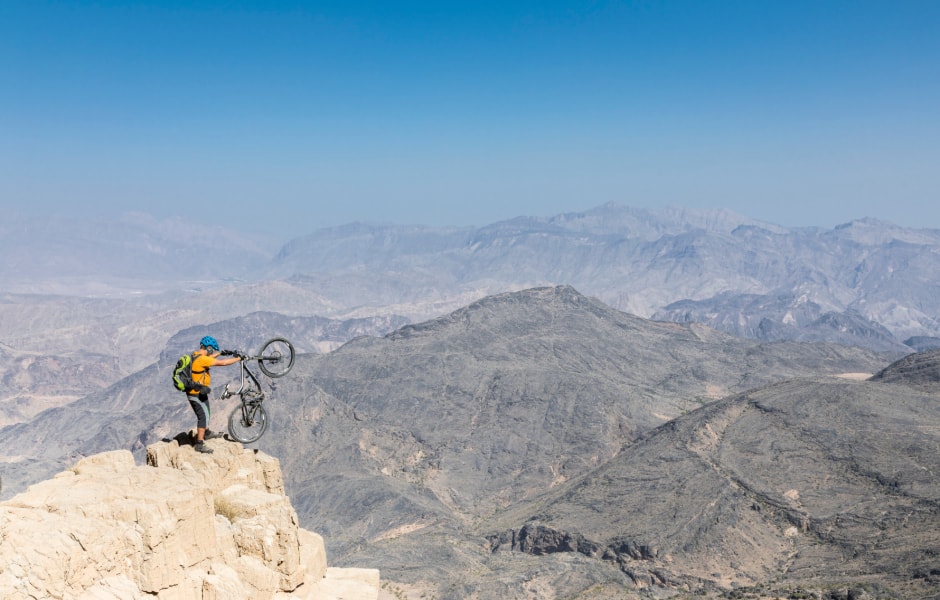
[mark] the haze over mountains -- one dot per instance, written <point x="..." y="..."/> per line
<point x="865" y="282"/>
<point x="112" y="293"/>
<point x="473" y="432"/>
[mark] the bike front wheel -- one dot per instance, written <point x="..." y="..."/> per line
<point x="276" y="357"/>
<point x="247" y="423"/>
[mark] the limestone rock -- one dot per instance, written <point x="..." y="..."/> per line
<point x="186" y="526"/>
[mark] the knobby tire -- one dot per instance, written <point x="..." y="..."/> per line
<point x="243" y="432"/>
<point x="276" y="357"/>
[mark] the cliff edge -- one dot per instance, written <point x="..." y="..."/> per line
<point x="186" y="526"/>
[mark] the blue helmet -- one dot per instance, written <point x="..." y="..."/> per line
<point x="209" y="343"/>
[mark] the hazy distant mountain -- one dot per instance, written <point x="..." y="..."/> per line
<point x="590" y="250"/>
<point x="133" y="251"/>
<point x="866" y="282"/>
<point x="768" y="317"/>
<point x="397" y="448"/>
<point x="307" y="334"/>
<point x="921" y="343"/>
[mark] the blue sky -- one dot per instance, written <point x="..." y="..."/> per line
<point x="285" y="117"/>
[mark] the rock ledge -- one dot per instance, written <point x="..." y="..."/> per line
<point x="186" y="526"/>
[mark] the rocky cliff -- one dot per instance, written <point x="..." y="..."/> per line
<point x="185" y="526"/>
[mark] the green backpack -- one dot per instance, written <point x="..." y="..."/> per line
<point x="183" y="374"/>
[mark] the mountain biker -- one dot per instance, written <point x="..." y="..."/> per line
<point x="207" y="356"/>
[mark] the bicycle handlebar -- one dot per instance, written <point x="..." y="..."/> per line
<point x="239" y="354"/>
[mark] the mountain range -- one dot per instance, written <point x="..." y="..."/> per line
<point x="611" y="403"/>
<point x="866" y="282"/>
<point x="542" y="444"/>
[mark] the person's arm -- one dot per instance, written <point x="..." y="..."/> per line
<point x="221" y="362"/>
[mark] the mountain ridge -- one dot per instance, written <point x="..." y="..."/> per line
<point x="712" y="266"/>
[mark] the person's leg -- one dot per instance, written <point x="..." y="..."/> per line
<point x="203" y="415"/>
<point x="207" y="433"/>
<point x="200" y="406"/>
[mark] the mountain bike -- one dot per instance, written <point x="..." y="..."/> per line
<point x="248" y="421"/>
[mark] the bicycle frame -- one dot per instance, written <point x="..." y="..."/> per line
<point x="248" y="384"/>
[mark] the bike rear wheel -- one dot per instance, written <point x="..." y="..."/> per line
<point x="248" y="422"/>
<point x="276" y="357"/>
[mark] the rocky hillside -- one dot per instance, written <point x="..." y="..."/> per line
<point x="455" y="436"/>
<point x="187" y="525"/>
<point x="450" y="453"/>
<point x="920" y="370"/>
<point x="522" y="391"/>
<point x="602" y="367"/>
<point x="31" y="382"/>
<point x="815" y="484"/>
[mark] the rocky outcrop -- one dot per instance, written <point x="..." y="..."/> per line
<point x="921" y="370"/>
<point x="185" y="526"/>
